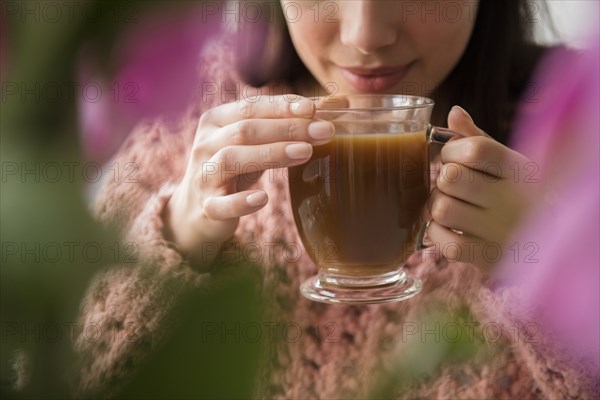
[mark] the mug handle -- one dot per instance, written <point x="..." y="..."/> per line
<point x="441" y="136"/>
<point x="438" y="135"/>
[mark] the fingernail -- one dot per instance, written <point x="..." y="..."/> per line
<point x="298" y="151"/>
<point x="257" y="199"/>
<point x="321" y="130"/>
<point x="302" y="107"/>
<point x="462" y="110"/>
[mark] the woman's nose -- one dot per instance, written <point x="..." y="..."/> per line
<point x="368" y="25"/>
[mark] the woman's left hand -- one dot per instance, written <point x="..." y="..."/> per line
<point x="481" y="194"/>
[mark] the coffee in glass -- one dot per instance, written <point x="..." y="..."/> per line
<point x="358" y="202"/>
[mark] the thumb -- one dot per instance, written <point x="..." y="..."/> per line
<point x="460" y="121"/>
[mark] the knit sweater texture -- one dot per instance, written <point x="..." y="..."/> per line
<point x="514" y="360"/>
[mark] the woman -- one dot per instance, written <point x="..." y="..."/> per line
<point x="187" y="220"/>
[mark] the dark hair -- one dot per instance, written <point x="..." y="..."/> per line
<point x="489" y="80"/>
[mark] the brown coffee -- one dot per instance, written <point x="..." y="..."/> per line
<point x="358" y="202"/>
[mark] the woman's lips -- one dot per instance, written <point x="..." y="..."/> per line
<point x="374" y="80"/>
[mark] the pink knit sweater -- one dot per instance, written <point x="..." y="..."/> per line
<point x="366" y="341"/>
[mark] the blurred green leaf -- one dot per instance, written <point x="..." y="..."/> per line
<point x="214" y="347"/>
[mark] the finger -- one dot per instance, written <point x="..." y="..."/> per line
<point x="222" y="208"/>
<point x="484" y="155"/>
<point x="232" y="161"/>
<point x="467" y="184"/>
<point x="286" y="106"/>
<point x="458" y="215"/>
<point x="453" y="246"/>
<point x="460" y="121"/>
<point x="263" y="131"/>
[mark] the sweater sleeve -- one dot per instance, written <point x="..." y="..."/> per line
<point x="127" y="304"/>
<point x="122" y="313"/>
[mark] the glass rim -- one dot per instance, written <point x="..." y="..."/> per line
<point x="426" y="102"/>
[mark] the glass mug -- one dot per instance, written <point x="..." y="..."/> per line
<point x="358" y="203"/>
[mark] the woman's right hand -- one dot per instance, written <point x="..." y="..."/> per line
<point x="234" y="144"/>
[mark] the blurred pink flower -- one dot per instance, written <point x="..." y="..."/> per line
<point x="560" y="133"/>
<point x="156" y="64"/>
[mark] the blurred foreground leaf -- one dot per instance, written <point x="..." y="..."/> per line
<point x="440" y="340"/>
<point x="214" y="347"/>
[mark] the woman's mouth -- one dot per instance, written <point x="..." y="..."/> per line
<point x="374" y="80"/>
